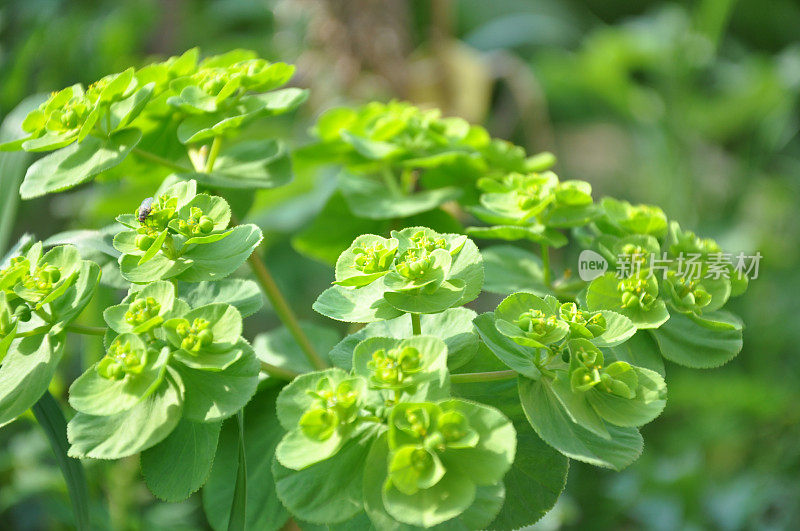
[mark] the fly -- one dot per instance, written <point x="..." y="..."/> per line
<point x="144" y="209"/>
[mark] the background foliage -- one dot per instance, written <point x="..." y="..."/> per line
<point x="689" y="106"/>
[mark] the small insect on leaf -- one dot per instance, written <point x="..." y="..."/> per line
<point x="144" y="209"/>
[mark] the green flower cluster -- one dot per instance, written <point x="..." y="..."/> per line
<point x="399" y="161"/>
<point x="182" y="235"/>
<point x="73" y="113"/>
<point x="416" y="270"/>
<point x="219" y="86"/>
<point x="165" y="362"/>
<point x="41" y="294"/>
<point x="93" y="130"/>
<point x="38" y="291"/>
<point x="661" y="269"/>
<point x="393" y="406"/>
<point x="537" y="322"/>
<point x="531" y="207"/>
<point x="396" y="130"/>
<point x="576" y="373"/>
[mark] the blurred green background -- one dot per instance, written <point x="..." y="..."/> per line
<point x="689" y="105"/>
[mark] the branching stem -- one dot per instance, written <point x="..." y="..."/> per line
<point x="152" y="157"/>
<point x="279" y="372"/>
<point x="282" y="309"/>
<point x="86" y="330"/>
<point x="492" y="376"/>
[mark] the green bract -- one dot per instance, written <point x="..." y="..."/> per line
<point x="417" y="366"/>
<point x="320" y="411"/>
<point x="635" y="297"/>
<point x="416" y="271"/>
<point x="531" y="207"/>
<point x="164" y="349"/>
<point x="182" y="235"/>
<point x="530" y="320"/>
<point x="439" y="453"/>
<point x="41" y="294"/>
<point x="367" y="259"/>
<point x="633" y="219"/>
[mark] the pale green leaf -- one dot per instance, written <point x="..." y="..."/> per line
<point x="129" y="432"/>
<point x="77" y="163"/>
<point x="552" y="423"/>
<point x="25" y="373"/>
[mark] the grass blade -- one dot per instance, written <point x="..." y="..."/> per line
<point x="52" y="421"/>
<point x="238" y="516"/>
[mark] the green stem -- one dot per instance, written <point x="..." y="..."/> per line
<point x="152" y="157"/>
<point x="216" y="145"/>
<point x="416" y="325"/>
<point x="546" y="264"/>
<point x="86" y="330"/>
<point x="44" y="315"/>
<point x="35" y="332"/>
<point x="282" y="309"/>
<point x="270" y="288"/>
<point x="493" y="376"/>
<point x="279" y="372"/>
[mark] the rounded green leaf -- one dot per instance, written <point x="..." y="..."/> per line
<point x="180" y="464"/>
<point x="94" y="394"/>
<point x="129" y="432"/>
<point x="649" y="402"/>
<point x="213" y="396"/>
<point x="691" y="343"/>
<point x="640" y="350"/>
<point x="420" y="300"/>
<point x="310" y="494"/>
<point x="25" y="373"/>
<point x="242" y="294"/>
<point x="533" y="484"/>
<point x="217" y="260"/>
<point x="618" y="330"/>
<point x="552" y="423"/>
<point x="356" y="305"/>
<point x="77" y="163"/>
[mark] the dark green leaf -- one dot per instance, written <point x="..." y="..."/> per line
<point x="262" y="433"/>
<point x="180" y="464"/>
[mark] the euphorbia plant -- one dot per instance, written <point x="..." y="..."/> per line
<point x="427" y="414"/>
